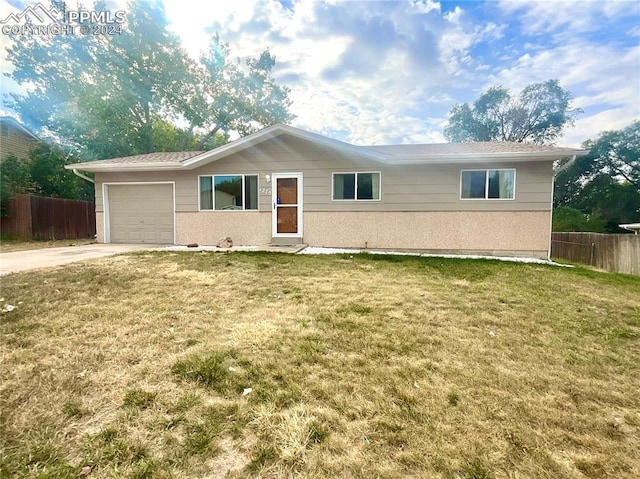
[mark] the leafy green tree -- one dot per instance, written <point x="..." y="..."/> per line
<point x="105" y="94"/>
<point x="539" y="114"/>
<point x="618" y="153"/>
<point x="566" y="218"/>
<point x="15" y="177"/>
<point x="50" y="178"/>
<point x="607" y="181"/>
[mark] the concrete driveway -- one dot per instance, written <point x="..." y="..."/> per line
<point x="47" y="257"/>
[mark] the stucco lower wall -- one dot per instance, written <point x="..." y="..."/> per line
<point x="99" y="226"/>
<point x="522" y="233"/>
<point x="206" y="228"/>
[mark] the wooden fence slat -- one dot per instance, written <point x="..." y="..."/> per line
<point x="618" y="253"/>
<point x="43" y="218"/>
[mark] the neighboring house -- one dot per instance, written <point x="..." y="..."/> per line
<point x="15" y="139"/>
<point x="285" y="185"/>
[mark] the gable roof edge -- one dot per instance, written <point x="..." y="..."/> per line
<point x="20" y="126"/>
<point x="273" y="132"/>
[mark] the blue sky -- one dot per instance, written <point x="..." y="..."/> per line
<point x="389" y="72"/>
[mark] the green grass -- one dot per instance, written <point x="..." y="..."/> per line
<point x="179" y="365"/>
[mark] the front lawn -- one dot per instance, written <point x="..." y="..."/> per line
<point x="165" y="364"/>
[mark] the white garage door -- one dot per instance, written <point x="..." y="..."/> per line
<point x="140" y="213"/>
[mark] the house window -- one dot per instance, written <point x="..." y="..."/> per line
<point x="356" y="186"/>
<point x="487" y="184"/>
<point x="229" y="192"/>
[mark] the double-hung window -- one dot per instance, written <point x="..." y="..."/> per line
<point x="229" y="192"/>
<point x="356" y="186"/>
<point x="488" y="184"/>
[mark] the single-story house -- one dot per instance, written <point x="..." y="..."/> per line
<point x="285" y="185"/>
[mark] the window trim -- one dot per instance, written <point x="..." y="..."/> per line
<point x="213" y="192"/>
<point x="355" y="193"/>
<point x="486" y="184"/>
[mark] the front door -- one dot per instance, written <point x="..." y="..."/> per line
<point x="287" y="205"/>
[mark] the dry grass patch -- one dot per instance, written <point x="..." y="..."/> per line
<point x="7" y="245"/>
<point x="271" y="365"/>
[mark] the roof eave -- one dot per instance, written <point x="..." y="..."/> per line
<point x="21" y="127"/>
<point x="493" y="157"/>
<point x="117" y="167"/>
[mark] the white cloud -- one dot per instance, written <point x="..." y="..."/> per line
<point x="421" y="6"/>
<point x="543" y="16"/>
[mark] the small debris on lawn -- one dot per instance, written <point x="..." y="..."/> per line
<point x="416" y="385"/>
<point x="86" y="470"/>
<point x="1" y="300"/>
<point x="247" y="391"/>
<point x="8" y="308"/>
<point x="492" y="334"/>
<point x="232" y="369"/>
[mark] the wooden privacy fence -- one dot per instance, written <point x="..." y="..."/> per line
<point x="36" y="217"/>
<point x="611" y="252"/>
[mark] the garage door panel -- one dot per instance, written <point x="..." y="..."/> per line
<point x="141" y="213"/>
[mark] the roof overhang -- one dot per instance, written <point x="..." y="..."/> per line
<point x="19" y="126"/>
<point x="492" y="157"/>
<point x="635" y="227"/>
<point x="102" y="168"/>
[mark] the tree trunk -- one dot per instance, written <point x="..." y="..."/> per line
<point x="147" y="130"/>
<point x="207" y="137"/>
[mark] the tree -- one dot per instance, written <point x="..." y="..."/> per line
<point x="607" y="181"/>
<point x="618" y="153"/>
<point x="50" y="178"/>
<point x="539" y="114"/>
<point x="105" y="94"/>
<point x="566" y="218"/>
<point x="15" y="177"/>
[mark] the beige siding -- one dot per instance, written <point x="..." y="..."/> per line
<point x="15" y="143"/>
<point x="404" y="187"/>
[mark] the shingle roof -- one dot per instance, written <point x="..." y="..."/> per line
<point x="485" y="147"/>
<point x="158" y="157"/>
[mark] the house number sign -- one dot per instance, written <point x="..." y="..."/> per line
<point x="265" y="191"/>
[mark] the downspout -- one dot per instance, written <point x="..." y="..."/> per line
<point x="553" y="187"/>
<point x="84" y="177"/>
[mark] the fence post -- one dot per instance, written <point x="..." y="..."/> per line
<point x="593" y="254"/>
